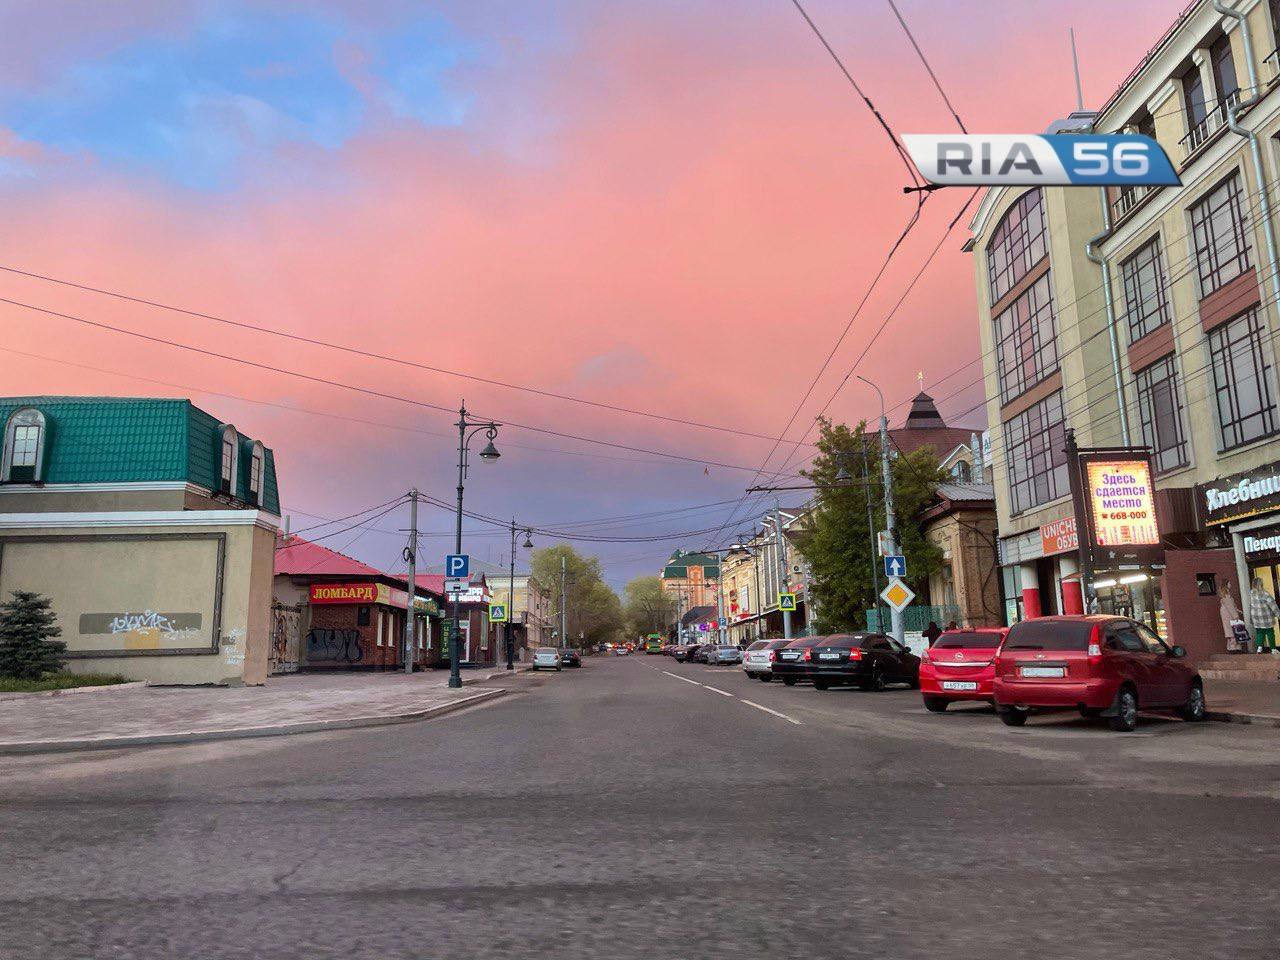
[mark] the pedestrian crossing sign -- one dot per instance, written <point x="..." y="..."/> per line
<point x="786" y="601"/>
<point x="497" y="612"/>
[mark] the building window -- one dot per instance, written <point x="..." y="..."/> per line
<point x="228" y="459"/>
<point x="1242" y="381"/>
<point x="24" y="446"/>
<point x="257" y="463"/>
<point x="1026" y="340"/>
<point x="1224" y="69"/>
<point x="1017" y="245"/>
<point x="1193" y="98"/>
<point x="1146" y="294"/>
<point x="961" y="472"/>
<point x="1035" y="450"/>
<point x="1160" y="411"/>
<point x="1221" y="237"/>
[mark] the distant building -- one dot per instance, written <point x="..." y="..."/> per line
<point x="150" y="523"/>
<point x="691" y="578"/>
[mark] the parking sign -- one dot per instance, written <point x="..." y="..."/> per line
<point x="457" y="565"/>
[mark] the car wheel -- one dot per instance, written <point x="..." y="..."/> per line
<point x="1126" y="717"/>
<point x="936" y="704"/>
<point x="1013" y="717"/>
<point x="820" y="684"/>
<point x="765" y="678"/>
<point x="789" y="681"/>
<point x="877" y="681"/>
<point x="1193" y="710"/>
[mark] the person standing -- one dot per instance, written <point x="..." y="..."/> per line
<point x="1263" y="613"/>
<point x="1229" y="612"/>
<point x="932" y="632"/>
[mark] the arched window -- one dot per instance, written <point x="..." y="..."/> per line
<point x="257" y="469"/>
<point x="24" y="437"/>
<point x="228" y="459"/>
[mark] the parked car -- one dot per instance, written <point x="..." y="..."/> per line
<point x="546" y="658"/>
<point x="791" y="659"/>
<point x="961" y="665"/>
<point x="720" y="654"/>
<point x="871" y="661"/>
<point x="1102" y="666"/>
<point x="759" y="658"/>
<point x="701" y="653"/>
<point x="622" y="650"/>
<point x="570" y="658"/>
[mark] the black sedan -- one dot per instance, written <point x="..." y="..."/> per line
<point x="700" y="652"/>
<point x="871" y="661"/>
<point x="570" y="658"/>
<point x="791" y="663"/>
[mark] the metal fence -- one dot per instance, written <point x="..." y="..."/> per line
<point x="915" y="618"/>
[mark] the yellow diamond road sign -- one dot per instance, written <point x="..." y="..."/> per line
<point x="897" y="594"/>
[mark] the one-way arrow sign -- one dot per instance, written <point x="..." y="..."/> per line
<point x="895" y="565"/>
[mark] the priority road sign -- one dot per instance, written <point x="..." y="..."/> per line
<point x="786" y="601"/>
<point x="897" y="594"/>
<point x="497" y="612"/>
<point x="895" y="565"/>
<point x="457" y="565"/>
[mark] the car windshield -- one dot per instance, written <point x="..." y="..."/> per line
<point x="727" y="649"/>
<point x="1050" y="635"/>
<point x="759" y="645"/>
<point x="967" y="639"/>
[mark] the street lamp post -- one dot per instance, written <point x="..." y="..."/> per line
<point x="509" y="629"/>
<point x="467" y="429"/>
<point x="895" y="615"/>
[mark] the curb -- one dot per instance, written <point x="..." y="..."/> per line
<point x="1257" y="719"/>
<point x="69" y="691"/>
<point x="241" y="733"/>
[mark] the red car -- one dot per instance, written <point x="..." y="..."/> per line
<point x="1102" y="666"/>
<point x="960" y="666"/>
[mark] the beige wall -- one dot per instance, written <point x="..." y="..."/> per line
<point x="107" y="583"/>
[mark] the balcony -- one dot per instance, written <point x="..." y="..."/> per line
<point x="1127" y="199"/>
<point x="1213" y="121"/>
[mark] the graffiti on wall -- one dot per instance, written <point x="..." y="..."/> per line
<point x="145" y="629"/>
<point x="340" y="646"/>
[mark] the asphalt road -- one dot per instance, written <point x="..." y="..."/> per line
<point x="641" y="808"/>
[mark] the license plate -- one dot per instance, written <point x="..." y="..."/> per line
<point x="828" y="656"/>
<point x="959" y="685"/>
<point x="790" y="656"/>
<point x="1044" y="671"/>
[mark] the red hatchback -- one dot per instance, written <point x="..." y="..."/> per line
<point x="1102" y="666"/>
<point x="960" y="666"/>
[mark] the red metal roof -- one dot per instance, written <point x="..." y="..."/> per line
<point x="298" y="557"/>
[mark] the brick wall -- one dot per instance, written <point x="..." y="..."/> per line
<point x="1194" y="621"/>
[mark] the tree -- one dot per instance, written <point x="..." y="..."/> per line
<point x="592" y="608"/>
<point x="837" y="542"/>
<point x="648" y="608"/>
<point x="28" y="631"/>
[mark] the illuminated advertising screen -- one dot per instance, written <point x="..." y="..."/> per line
<point x="1122" y="503"/>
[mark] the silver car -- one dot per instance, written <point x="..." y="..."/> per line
<point x="546" y="658"/>
<point x="724" y="654"/>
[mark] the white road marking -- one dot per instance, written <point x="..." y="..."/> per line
<point x="723" y="693"/>
<point x="774" y="712"/>
<point x="685" y="679"/>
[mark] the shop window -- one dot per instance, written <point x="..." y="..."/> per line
<point x="24" y="441"/>
<point x="1220" y="236"/>
<point x="1146" y="294"/>
<point x="1160" y="414"/>
<point x="1207" y="584"/>
<point x="1017" y="244"/>
<point x="1242" y="381"/>
<point x="362" y="616"/>
<point x="1026" y="340"/>
<point x="1035" y="442"/>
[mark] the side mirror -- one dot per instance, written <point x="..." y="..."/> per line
<point x="1179" y="651"/>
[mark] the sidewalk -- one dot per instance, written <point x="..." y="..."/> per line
<point x="302" y="703"/>
<point x="1234" y="701"/>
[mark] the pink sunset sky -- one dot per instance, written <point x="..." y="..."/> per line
<point x="669" y="206"/>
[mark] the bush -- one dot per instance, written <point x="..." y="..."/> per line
<point x="28" y="631"/>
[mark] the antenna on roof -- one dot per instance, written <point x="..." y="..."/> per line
<point x="1075" y="65"/>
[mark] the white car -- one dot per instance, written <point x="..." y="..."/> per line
<point x="546" y="658"/>
<point x="724" y="654"/>
<point x="757" y="662"/>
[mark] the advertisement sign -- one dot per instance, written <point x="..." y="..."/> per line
<point x="1122" y="503"/>
<point x="1241" y="495"/>
<point x="348" y="593"/>
<point x="1060" y="536"/>
<point x="1009" y="159"/>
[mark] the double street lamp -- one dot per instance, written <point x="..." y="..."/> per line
<point x="509" y="630"/>
<point x="467" y="430"/>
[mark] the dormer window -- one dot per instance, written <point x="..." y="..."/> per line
<point x="24" y="446"/>
<point x="257" y="466"/>
<point x="229" y="460"/>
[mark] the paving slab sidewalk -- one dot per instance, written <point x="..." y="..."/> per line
<point x="302" y="703"/>
<point x="1237" y="701"/>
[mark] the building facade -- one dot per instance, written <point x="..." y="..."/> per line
<point x="150" y="524"/>
<point x="1145" y="317"/>
<point x="693" y="579"/>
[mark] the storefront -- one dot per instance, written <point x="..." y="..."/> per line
<point x="1245" y="507"/>
<point x="360" y="625"/>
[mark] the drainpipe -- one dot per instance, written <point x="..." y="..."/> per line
<point x="1233" y="125"/>
<point x="1089" y="251"/>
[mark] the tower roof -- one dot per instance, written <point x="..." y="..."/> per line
<point x="924" y="414"/>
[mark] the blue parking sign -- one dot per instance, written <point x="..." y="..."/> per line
<point x="457" y="565"/>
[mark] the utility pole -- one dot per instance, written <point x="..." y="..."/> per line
<point x="895" y="616"/>
<point x="720" y="629"/>
<point x="410" y="607"/>
<point x="782" y="568"/>
<point x="871" y="532"/>
<point x="564" y="620"/>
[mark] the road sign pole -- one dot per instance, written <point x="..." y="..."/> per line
<point x="782" y="568"/>
<point x="895" y="615"/>
<point x="410" y="611"/>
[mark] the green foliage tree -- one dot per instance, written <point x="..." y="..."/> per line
<point x="648" y="608"/>
<point x="837" y="542"/>
<point x="29" y="647"/>
<point x="592" y="608"/>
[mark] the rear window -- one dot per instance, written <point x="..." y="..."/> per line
<point x="840" y="643"/>
<point x="805" y="642"/>
<point x="776" y="644"/>
<point x="1050" y="635"/>
<point x="759" y="645"/>
<point x="967" y="639"/>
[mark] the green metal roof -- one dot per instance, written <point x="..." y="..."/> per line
<point x="137" y="440"/>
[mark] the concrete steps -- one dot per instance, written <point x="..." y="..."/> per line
<point x="1243" y="667"/>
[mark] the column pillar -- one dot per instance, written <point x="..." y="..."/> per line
<point x="1030" y="592"/>
<point x="1069" y="574"/>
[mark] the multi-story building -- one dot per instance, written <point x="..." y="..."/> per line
<point x="692" y="578"/>
<point x="150" y="524"/>
<point x="1145" y="316"/>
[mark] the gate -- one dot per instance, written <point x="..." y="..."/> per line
<point x="285" y="638"/>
